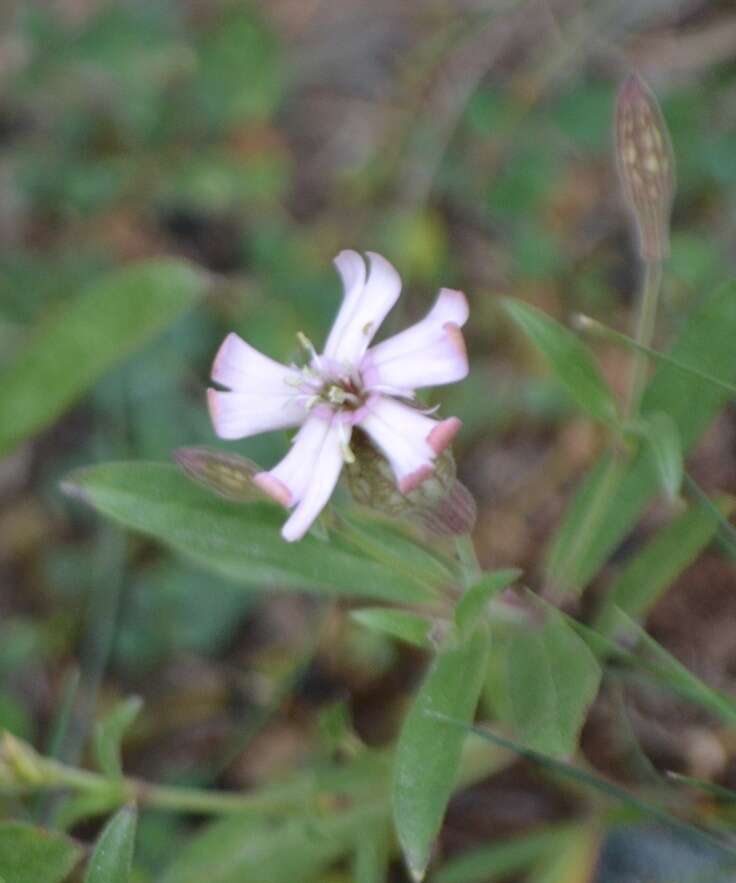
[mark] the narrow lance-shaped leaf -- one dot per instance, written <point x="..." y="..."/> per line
<point x="97" y="329"/>
<point x="656" y="665"/>
<point x="109" y="734"/>
<point x="112" y="858"/>
<point x="237" y="541"/>
<point x="690" y="401"/>
<point x="472" y="604"/>
<point x="400" y="624"/>
<point x="544" y="679"/>
<point x="663" y="440"/>
<point x="597" y="783"/>
<point x="569" y="358"/>
<point x="660" y="562"/>
<point x="428" y="752"/>
<point x="673" y="672"/>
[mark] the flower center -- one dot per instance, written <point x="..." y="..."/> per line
<point x="324" y="382"/>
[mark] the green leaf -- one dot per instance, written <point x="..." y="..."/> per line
<point x="660" y="562"/>
<point x="498" y="861"/>
<point x="726" y="530"/>
<point x="663" y="439"/>
<point x="571" y="361"/>
<point x="597" y="783"/>
<point x="112" y="859"/>
<point x="400" y="624"/>
<point x="236" y="849"/>
<point x="97" y="329"/>
<point x="600" y="330"/>
<point x="690" y="401"/>
<point x="470" y="607"/>
<point x="33" y="855"/>
<point x="109" y="734"/>
<point x="241" y="542"/>
<point x="543" y="680"/>
<point x="654" y="657"/>
<point x="655" y="664"/>
<point x="718" y="791"/>
<point x="428" y="752"/>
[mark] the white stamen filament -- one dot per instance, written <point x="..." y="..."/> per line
<point x="347" y="453"/>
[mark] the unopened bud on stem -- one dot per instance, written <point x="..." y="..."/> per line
<point x="225" y="474"/>
<point x="645" y="162"/>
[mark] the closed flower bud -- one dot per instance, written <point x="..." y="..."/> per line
<point x="645" y="163"/>
<point x="228" y="475"/>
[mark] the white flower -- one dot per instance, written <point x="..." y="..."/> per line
<point x="346" y="385"/>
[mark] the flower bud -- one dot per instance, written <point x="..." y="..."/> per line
<point x="441" y="505"/>
<point x="645" y="162"/>
<point x="228" y="475"/>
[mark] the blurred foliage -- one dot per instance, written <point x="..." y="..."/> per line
<point x="254" y="141"/>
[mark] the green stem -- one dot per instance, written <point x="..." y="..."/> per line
<point x="644" y="334"/>
<point x="40" y="774"/>
<point x="645" y="326"/>
<point x="597" y="509"/>
<point x="197" y="800"/>
<point x="471" y="568"/>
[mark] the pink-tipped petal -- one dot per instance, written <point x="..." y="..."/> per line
<point x="275" y="489"/>
<point x="323" y="478"/>
<point x="430" y="353"/>
<point x="242" y="414"/>
<point x="443" y="434"/>
<point x="412" y="481"/>
<point x="242" y="368"/>
<point x="364" y="306"/>
<point x="296" y="470"/>
<point x="456" y="339"/>
<point x="401" y="433"/>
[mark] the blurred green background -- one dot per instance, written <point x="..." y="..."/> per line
<point x="469" y="142"/>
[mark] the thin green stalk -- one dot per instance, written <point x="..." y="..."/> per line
<point x="198" y="800"/>
<point x="596" y="512"/>
<point x="645" y="326"/>
<point x="23" y="770"/>
<point x="644" y="334"/>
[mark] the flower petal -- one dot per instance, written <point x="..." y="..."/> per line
<point x="365" y="305"/>
<point x="307" y="475"/>
<point x="430" y="353"/>
<point x="351" y="267"/>
<point x="409" y="440"/>
<point x="325" y="474"/>
<point x="242" y="414"/>
<point x="242" y="368"/>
